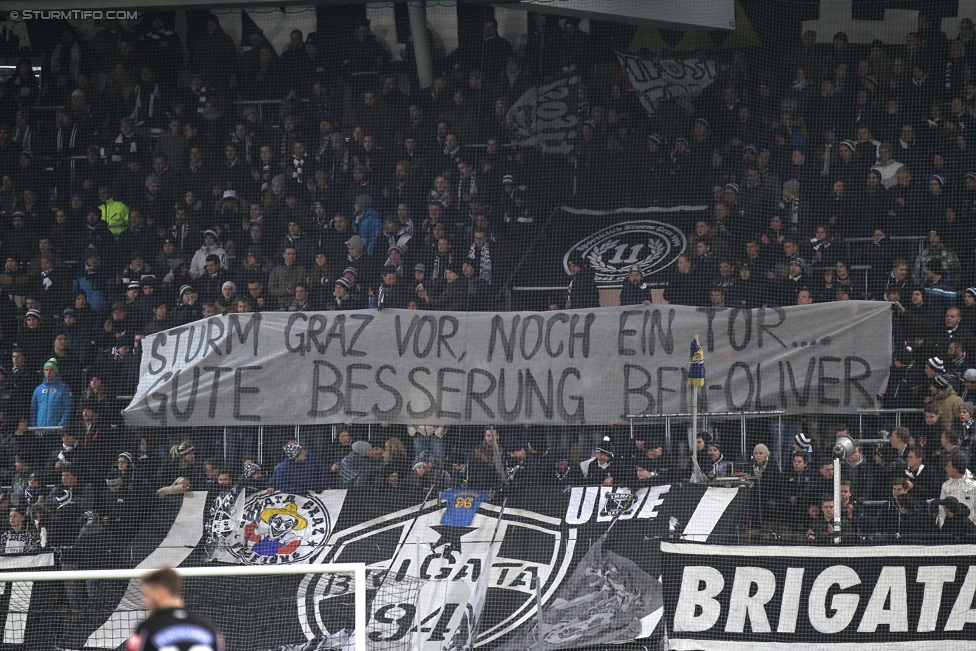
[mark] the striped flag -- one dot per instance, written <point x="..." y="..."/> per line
<point x="467" y="630"/>
<point x="696" y="371"/>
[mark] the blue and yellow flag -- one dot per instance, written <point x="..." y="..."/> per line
<point x="696" y="371"/>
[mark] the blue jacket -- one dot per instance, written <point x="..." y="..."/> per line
<point x="370" y="229"/>
<point x="297" y="477"/>
<point x="51" y="404"/>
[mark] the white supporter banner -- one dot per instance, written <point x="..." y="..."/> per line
<point x="546" y="115"/>
<point x="559" y="367"/>
<point x="658" y="80"/>
<point x="272" y="529"/>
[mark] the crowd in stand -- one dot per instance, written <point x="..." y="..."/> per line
<point x="159" y="196"/>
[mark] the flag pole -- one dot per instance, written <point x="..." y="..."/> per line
<point x="696" y="379"/>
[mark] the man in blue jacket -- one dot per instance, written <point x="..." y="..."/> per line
<point x="369" y="225"/>
<point x="302" y="471"/>
<point x="52" y="402"/>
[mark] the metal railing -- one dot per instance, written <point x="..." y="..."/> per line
<point x="861" y="413"/>
<point x="703" y="418"/>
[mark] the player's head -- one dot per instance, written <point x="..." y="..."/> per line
<point x="162" y="589"/>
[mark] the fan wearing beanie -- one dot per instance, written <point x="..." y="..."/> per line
<point x="302" y="470"/>
<point x="604" y="469"/>
<point x="760" y="458"/>
<point x="359" y="468"/>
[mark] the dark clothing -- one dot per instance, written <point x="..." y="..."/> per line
<point x="392" y="296"/>
<point x="453" y="299"/>
<point x="631" y="294"/>
<point x="684" y="289"/>
<point x="909" y="525"/>
<point x="175" y="628"/>
<point x="926" y="482"/>
<point x="582" y="293"/>
<point x="621" y="471"/>
<point x="562" y="481"/>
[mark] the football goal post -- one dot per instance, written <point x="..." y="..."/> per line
<point x="256" y="607"/>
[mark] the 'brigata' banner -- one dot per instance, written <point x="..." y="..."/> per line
<point x="559" y="367"/>
<point x="887" y="597"/>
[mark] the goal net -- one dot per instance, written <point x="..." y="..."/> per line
<point x="254" y="607"/>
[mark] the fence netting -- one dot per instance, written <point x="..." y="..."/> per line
<point x="176" y="169"/>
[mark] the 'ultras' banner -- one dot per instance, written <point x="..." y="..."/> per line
<point x="658" y="80"/>
<point x="559" y="367"/>
<point x="890" y="597"/>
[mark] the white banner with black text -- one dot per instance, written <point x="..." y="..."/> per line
<point x="573" y="367"/>
<point x="658" y="80"/>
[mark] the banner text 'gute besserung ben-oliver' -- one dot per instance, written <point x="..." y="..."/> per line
<point x="558" y="368"/>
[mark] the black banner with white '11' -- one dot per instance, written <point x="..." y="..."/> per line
<point x="885" y="597"/>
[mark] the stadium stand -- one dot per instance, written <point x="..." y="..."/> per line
<point x="149" y="180"/>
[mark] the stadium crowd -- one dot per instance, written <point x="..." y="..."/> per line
<point x="159" y="193"/>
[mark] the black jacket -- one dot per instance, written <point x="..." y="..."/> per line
<point x="631" y="294"/>
<point x="582" y="292"/>
<point x="684" y="289"/>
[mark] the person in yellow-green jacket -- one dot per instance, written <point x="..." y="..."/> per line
<point x="115" y="214"/>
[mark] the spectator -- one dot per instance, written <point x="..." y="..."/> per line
<point x="957" y="526"/>
<point x="945" y="399"/>
<point x="396" y="467"/>
<point x="284" y="277"/>
<point x="685" y="286"/>
<point x="210" y="247"/>
<point x="652" y="465"/>
<point x="635" y="290"/>
<point x="114" y="213"/>
<point x="562" y="475"/>
<point x="946" y="263"/>
<point x="301" y="471"/>
<point x="959" y="483"/>
<point x="358" y="468"/>
<point x="582" y="292"/>
<point x="903" y="518"/>
<point x="214" y="55"/>
<point x="20" y="538"/>
<point x="182" y="473"/>
<point x="925" y="479"/>
<point x="605" y="469"/>
<point x="966" y="427"/>
<point x="52" y="403"/>
<point x="392" y="294"/>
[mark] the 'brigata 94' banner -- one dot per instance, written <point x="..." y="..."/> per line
<point x="768" y="598"/>
<point x="559" y="367"/>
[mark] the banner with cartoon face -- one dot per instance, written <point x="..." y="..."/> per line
<point x="270" y="529"/>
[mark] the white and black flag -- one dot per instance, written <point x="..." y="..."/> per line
<point x="466" y="633"/>
<point x="658" y="80"/>
<point x="604" y="602"/>
<point x="545" y="115"/>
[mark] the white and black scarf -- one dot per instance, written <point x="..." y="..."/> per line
<point x="71" y="138"/>
<point x="447" y="259"/>
<point x="150" y="105"/>
<point x="325" y="144"/>
<point x="298" y="165"/>
<point x="483" y="257"/>
<point x="246" y="141"/>
<point x="65" y="451"/>
<point x="120" y="147"/>
<point x="966" y="435"/>
<point x="23" y="137"/>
